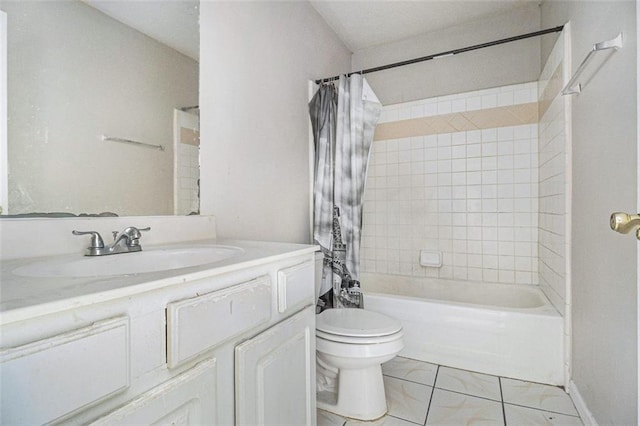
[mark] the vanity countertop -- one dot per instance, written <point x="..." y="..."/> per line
<point x="24" y="297"/>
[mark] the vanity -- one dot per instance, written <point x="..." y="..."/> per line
<point x="229" y="340"/>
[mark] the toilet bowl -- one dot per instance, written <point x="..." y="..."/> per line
<point x="351" y="345"/>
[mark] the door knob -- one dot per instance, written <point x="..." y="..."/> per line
<point x="623" y="223"/>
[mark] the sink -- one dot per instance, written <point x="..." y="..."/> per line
<point x="147" y="260"/>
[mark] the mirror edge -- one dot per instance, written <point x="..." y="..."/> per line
<point x="4" y="188"/>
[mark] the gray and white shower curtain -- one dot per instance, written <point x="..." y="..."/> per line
<point x="343" y="121"/>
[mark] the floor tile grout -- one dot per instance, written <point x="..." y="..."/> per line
<point x="504" y="412"/>
<point x="542" y="409"/>
<point x="407" y="380"/>
<point x="429" y="401"/>
<point x="433" y="389"/>
<point x="456" y="392"/>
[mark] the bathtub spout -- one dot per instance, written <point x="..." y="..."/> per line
<point x="623" y="222"/>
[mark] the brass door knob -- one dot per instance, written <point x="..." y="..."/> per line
<point x="624" y="223"/>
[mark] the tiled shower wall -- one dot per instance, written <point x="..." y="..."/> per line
<point x="553" y="184"/>
<point x="188" y="174"/>
<point x="456" y="174"/>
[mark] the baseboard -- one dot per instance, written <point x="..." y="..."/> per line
<point x="581" y="406"/>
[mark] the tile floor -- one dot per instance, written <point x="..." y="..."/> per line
<point x="419" y="393"/>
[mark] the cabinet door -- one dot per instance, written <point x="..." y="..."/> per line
<point x="187" y="399"/>
<point x="275" y="374"/>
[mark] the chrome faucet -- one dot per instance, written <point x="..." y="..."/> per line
<point x="127" y="241"/>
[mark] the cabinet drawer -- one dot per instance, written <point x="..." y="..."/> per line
<point x="50" y="378"/>
<point x="296" y="286"/>
<point x="196" y="325"/>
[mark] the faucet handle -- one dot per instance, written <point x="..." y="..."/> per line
<point x="134" y="235"/>
<point x="96" y="239"/>
<point x="137" y="241"/>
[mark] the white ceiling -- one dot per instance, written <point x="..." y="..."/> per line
<point x="362" y="24"/>
<point x="358" y="23"/>
<point x="174" y="23"/>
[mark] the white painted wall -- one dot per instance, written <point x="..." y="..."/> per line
<point x="75" y="74"/>
<point x="604" y="118"/>
<point x="256" y="59"/>
<point x="497" y="66"/>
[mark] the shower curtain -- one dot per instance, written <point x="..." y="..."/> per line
<point x="343" y="122"/>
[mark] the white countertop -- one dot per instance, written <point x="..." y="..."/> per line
<point x="25" y="297"/>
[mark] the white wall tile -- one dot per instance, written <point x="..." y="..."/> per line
<point x="471" y="195"/>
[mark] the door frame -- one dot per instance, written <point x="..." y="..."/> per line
<point x="638" y="198"/>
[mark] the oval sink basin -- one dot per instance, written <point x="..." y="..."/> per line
<point x="147" y="260"/>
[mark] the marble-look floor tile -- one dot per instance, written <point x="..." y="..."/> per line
<point x="451" y="408"/>
<point x="407" y="400"/>
<point x="517" y="416"/>
<point x="535" y="395"/>
<point x="468" y="382"/>
<point x="326" y="418"/>
<point x="385" y="421"/>
<point x="410" y="369"/>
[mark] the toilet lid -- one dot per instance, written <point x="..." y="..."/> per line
<point x="356" y="323"/>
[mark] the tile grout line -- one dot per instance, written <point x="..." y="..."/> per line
<point x="501" y="401"/>
<point x="504" y="413"/>
<point x="406" y="380"/>
<point x="486" y="398"/>
<point x="543" y="410"/>
<point x="433" y="390"/>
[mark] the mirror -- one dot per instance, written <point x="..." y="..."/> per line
<point x="101" y="118"/>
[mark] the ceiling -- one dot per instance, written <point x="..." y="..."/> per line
<point x="359" y="23"/>
<point x="363" y="24"/>
<point x="174" y="23"/>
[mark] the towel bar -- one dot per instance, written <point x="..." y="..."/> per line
<point x="573" y="88"/>
<point x="148" y="145"/>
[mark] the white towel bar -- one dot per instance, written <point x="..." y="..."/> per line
<point x="572" y="87"/>
<point x="148" y="145"/>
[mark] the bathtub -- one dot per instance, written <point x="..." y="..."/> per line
<point x="500" y="329"/>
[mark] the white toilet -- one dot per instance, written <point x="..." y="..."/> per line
<point x="351" y="345"/>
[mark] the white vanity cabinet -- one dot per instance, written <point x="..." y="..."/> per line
<point x="234" y="347"/>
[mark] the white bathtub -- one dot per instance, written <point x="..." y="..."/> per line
<point x="500" y="329"/>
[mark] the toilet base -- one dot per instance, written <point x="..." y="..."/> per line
<point x="360" y="394"/>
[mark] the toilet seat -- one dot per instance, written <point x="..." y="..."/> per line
<point x="358" y="340"/>
<point x="352" y="324"/>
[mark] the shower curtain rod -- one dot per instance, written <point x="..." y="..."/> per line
<point x="448" y="53"/>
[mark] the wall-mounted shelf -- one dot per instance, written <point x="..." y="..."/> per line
<point x="573" y="87"/>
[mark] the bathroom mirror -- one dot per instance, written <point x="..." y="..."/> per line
<point x="101" y="117"/>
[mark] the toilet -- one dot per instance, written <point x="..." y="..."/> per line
<point x="351" y="345"/>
